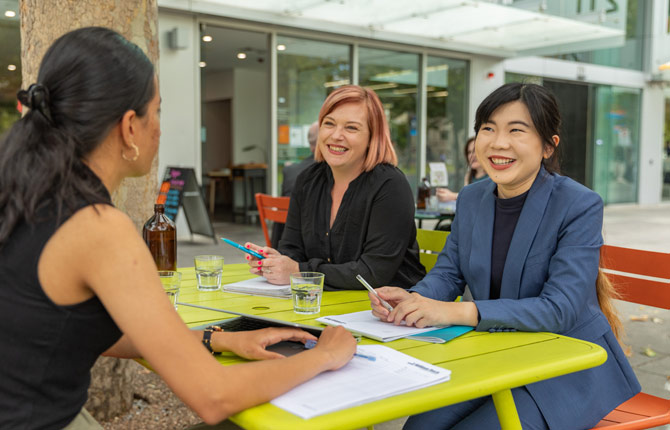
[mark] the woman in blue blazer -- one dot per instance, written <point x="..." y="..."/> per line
<point x="527" y="243"/>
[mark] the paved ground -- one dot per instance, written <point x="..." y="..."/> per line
<point x="633" y="226"/>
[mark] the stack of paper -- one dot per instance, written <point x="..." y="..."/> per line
<point x="259" y="287"/>
<point x="361" y="381"/>
<point x="369" y="326"/>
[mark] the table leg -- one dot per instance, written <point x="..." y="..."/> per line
<point x="506" y="409"/>
<point x="212" y="195"/>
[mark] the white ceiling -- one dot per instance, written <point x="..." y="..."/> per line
<point x="490" y="27"/>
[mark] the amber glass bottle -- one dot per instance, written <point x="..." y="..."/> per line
<point x="160" y="234"/>
<point x="423" y="194"/>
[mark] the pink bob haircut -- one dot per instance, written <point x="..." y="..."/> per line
<point x="380" y="148"/>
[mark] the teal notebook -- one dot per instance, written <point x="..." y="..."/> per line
<point x="442" y="335"/>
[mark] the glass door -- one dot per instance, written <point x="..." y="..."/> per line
<point x="616" y="143"/>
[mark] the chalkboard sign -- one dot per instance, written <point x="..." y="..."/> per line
<point x="180" y="188"/>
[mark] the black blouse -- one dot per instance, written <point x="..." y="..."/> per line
<point x="373" y="234"/>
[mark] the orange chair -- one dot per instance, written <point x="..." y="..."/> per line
<point x="273" y="209"/>
<point x="642" y="411"/>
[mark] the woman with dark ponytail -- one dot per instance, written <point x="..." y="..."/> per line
<point x="76" y="279"/>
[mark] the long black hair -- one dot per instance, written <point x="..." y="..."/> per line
<point x="88" y="79"/>
<point x="541" y="105"/>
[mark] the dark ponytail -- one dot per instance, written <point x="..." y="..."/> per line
<point x="88" y="79"/>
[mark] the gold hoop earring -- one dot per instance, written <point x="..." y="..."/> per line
<point x="137" y="153"/>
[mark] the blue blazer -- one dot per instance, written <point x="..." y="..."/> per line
<point x="548" y="285"/>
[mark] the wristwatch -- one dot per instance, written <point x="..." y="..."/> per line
<point x="207" y="337"/>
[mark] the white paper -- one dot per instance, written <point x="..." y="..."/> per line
<point x="438" y="175"/>
<point x="361" y="381"/>
<point x="259" y="286"/>
<point x="368" y="325"/>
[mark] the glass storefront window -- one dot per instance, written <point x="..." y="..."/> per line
<point x="307" y="71"/>
<point x="628" y="56"/>
<point x="10" y="65"/>
<point x="394" y="76"/>
<point x="617" y="143"/>
<point x="446" y="129"/>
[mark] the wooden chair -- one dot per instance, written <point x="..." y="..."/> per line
<point x="644" y="410"/>
<point x="430" y="243"/>
<point x="273" y="209"/>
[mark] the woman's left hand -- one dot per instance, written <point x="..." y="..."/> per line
<point x="419" y="311"/>
<point x="252" y="344"/>
<point x="275" y="267"/>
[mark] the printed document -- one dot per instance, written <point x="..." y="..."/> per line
<point x="369" y="326"/>
<point x="361" y="381"/>
<point x="259" y="287"/>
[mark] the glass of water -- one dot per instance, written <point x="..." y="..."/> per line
<point x="306" y="292"/>
<point x="208" y="269"/>
<point x="171" y="281"/>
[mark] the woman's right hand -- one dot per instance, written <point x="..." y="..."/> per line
<point x="446" y="195"/>
<point x="338" y="345"/>
<point x="392" y="295"/>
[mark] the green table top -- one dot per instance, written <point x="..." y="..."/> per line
<point x="520" y="358"/>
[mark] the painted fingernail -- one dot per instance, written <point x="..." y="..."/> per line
<point x="247" y="246"/>
<point x="259" y="263"/>
<point x="247" y="257"/>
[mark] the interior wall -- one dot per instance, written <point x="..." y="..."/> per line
<point x="251" y="115"/>
<point x="219" y="85"/>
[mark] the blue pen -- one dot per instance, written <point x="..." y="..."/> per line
<point x="312" y="343"/>
<point x="241" y="248"/>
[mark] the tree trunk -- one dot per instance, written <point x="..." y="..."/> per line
<point x="42" y="22"/>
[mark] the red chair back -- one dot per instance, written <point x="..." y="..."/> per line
<point x="273" y="209"/>
<point x="630" y="271"/>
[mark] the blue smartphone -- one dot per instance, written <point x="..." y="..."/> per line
<point x="241" y="248"/>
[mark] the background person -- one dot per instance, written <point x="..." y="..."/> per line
<point x="527" y="243"/>
<point x="351" y="212"/>
<point x="474" y="174"/>
<point x="77" y="280"/>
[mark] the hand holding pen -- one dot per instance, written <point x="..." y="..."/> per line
<point x="371" y="290"/>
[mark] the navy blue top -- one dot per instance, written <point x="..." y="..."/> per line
<point x="506" y="216"/>
<point x="47" y="350"/>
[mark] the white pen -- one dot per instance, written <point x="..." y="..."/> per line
<point x="370" y="289"/>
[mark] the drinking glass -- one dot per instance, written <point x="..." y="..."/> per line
<point x="171" y="281"/>
<point x="208" y="269"/>
<point x="306" y="292"/>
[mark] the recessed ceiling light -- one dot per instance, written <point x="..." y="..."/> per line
<point x="281" y="47"/>
<point x="10" y="14"/>
<point x="202" y="64"/>
<point x="241" y="55"/>
<point x="11" y="67"/>
<point x="207" y="38"/>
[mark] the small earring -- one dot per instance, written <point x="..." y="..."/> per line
<point x="137" y="153"/>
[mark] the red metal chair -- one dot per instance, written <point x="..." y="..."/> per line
<point x="273" y="209"/>
<point x="644" y="410"/>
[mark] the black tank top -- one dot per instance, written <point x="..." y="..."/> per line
<point x="46" y="350"/>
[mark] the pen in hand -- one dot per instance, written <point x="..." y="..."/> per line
<point x="370" y="289"/>
<point x="309" y="344"/>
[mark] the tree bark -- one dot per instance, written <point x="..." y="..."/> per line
<point x="42" y="22"/>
